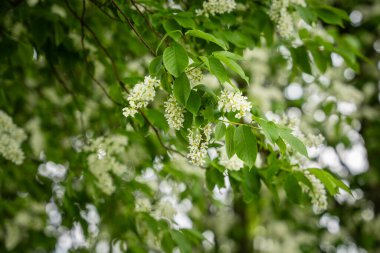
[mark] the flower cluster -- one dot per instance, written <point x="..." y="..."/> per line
<point x="215" y="7"/>
<point x="11" y="138"/>
<point x="317" y="193"/>
<point x="233" y="163"/>
<point x="198" y="144"/>
<point x="234" y="102"/>
<point x="141" y="95"/>
<point x="102" y="160"/>
<point x="194" y="75"/>
<point x="174" y="113"/>
<point x="280" y="15"/>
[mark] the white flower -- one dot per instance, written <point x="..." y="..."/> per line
<point x="233" y="163"/>
<point x="141" y="95"/>
<point x="214" y="7"/>
<point x="54" y="171"/>
<point x="317" y="193"/>
<point x="280" y="15"/>
<point x="198" y="144"/>
<point x="142" y="204"/>
<point x="234" y="102"/>
<point x="194" y="75"/>
<point x="11" y="138"/>
<point x="174" y="113"/>
<point x="164" y="209"/>
<point x="102" y="160"/>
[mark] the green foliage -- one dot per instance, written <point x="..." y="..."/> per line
<point x="70" y="70"/>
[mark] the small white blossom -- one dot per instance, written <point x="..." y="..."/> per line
<point x="174" y="113"/>
<point x="317" y="193"/>
<point x="198" y="144"/>
<point x="234" y="102"/>
<point x="194" y="75"/>
<point x="233" y="163"/>
<point x="215" y="7"/>
<point x="11" y="138"/>
<point x="141" y="95"/>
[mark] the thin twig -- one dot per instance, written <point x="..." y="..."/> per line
<point x="100" y="45"/>
<point x="73" y="95"/>
<point x="146" y="20"/>
<point x="133" y="28"/>
<point x="85" y="58"/>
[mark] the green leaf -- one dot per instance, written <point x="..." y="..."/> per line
<point x="175" y="59"/>
<point x="193" y="234"/>
<point x="301" y="59"/>
<point x="328" y="183"/>
<point x="181" y="89"/>
<point x="214" y="177"/>
<point x="331" y="183"/>
<point x="217" y="69"/>
<point x="233" y="66"/>
<point x="186" y="22"/>
<point x="293" y="141"/>
<point x="245" y="144"/>
<point x="181" y="241"/>
<point x="158" y="119"/>
<point x="174" y="33"/>
<point x="269" y="128"/>
<point x="230" y="141"/>
<point x="220" y="130"/>
<point x="321" y="57"/>
<point x="170" y="27"/>
<point x="251" y="184"/>
<point x="307" y="14"/>
<point x="155" y="66"/>
<point x="193" y="103"/>
<point x="229" y="55"/>
<point x="293" y="189"/>
<point x="208" y="37"/>
<point x="281" y="145"/>
<point x="331" y="15"/>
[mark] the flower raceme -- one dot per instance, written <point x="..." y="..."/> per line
<point x="141" y="95"/>
<point x="234" y="102"/>
<point x="280" y="14"/>
<point x="174" y="113"/>
<point x="11" y="137"/>
<point x="198" y="144"/>
<point x="317" y="193"/>
<point x="194" y="75"/>
<point x="215" y="7"/>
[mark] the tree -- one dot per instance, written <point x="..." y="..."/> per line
<point x="185" y="126"/>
